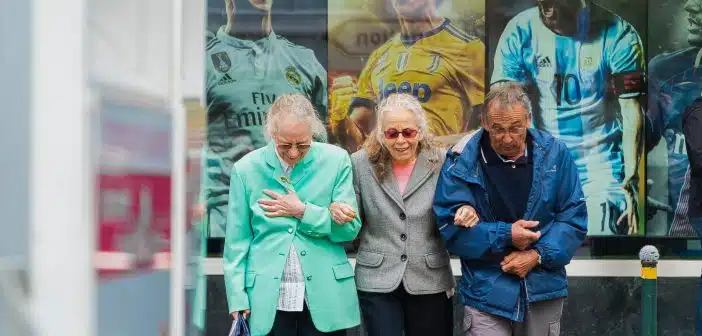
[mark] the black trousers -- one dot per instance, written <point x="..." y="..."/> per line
<point x="388" y="314"/>
<point x="297" y="324"/>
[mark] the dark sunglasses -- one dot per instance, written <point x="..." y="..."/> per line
<point x="407" y="133"/>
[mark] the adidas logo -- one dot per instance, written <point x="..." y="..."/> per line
<point x="226" y="79"/>
<point x="544" y="63"/>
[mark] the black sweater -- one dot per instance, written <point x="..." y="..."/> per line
<point x="508" y="184"/>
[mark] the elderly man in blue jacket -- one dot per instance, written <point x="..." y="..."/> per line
<point x="510" y="204"/>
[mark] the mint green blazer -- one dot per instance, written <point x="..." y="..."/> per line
<point x="256" y="247"/>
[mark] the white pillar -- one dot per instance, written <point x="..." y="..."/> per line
<point x="178" y="183"/>
<point x="62" y="278"/>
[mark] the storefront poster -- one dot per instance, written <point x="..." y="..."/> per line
<point x="585" y="70"/>
<point x="373" y="53"/>
<point x="674" y="82"/>
<point x="255" y="52"/>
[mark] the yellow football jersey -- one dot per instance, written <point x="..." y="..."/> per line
<point x="443" y="68"/>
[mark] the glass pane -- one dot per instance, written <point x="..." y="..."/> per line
<point x="128" y="53"/>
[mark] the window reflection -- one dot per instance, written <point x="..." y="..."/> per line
<point x="601" y="80"/>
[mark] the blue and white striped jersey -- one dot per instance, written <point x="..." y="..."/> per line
<point x="675" y="81"/>
<point x="572" y="75"/>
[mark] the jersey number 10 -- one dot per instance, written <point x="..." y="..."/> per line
<point x="568" y="89"/>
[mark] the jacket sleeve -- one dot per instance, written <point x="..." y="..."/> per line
<point x="237" y="239"/>
<point x="357" y="191"/>
<point x="317" y="221"/>
<point x="561" y="237"/>
<point x="469" y="243"/>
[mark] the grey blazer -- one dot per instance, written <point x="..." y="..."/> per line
<point x="399" y="240"/>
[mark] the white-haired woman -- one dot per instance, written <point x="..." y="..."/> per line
<point x="284" y="262"/>
<point x="403" y="271"/>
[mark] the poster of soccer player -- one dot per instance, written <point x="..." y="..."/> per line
<point x="584" y="63"/>
<point x="256" y="50"/>
<point x="433" y="49"/>
<point x="674" y="82"/>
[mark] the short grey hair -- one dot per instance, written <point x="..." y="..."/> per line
<point x="507" y="93"/>
<point x="300" y="108"/>
<point x="405" y="101"/>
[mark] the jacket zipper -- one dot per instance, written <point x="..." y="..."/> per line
<point x="526" y="291"/>
<point x="536" y="195"/>
<point x="481" y="183"/>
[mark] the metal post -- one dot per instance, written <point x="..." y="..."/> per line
<point x="649" y="292"/>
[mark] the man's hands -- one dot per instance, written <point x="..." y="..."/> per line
<point x="466" y="217"/>
<point x="282" y="205"/>
<point x="341" y="213"/>
<point x="245" y="313"/>
<point x="520" y="263"/>
<point x="522" y="237"/>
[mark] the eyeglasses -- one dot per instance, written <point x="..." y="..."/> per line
<point x="302" y="147"/>
<point x="407" y="133"/>
<point x="499" y="132"/>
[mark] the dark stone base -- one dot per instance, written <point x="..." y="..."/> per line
<point x="596" y="306"/>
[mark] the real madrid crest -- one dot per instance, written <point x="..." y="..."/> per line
<point x="293" y="76"/>
<point x="221" y="61"/>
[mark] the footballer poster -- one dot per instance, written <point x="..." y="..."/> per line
<point x="674" y="82"/>
<point x="432" y="49"/>
<point x="256" y="50"/>
<point x="583" y="64"/>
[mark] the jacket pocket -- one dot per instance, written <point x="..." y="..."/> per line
<point x="369" y="259"/>
<point x="250" y="279"/>
<point x="543" y="283"/>
<point x="437" y="259"/>
<point x="342" y="271"/>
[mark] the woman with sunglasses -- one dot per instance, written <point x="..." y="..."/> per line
<point x="403" y="271"/>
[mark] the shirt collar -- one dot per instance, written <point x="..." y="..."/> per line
<point x="411" y="39"/>
<point x="286" y="168"/>
<point x="259" y="45"/>
<point x="489" y="156"/>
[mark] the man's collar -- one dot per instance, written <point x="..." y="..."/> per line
<point x="489" y="156"/>
<point x="521" y="158"/>
<point x="262" y="43"/>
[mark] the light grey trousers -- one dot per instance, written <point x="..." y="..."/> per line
<point x="541" y="319"/>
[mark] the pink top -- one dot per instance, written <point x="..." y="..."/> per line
<point x="402" y="174"/>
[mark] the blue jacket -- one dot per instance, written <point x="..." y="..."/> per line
<point x="556" y="201"/>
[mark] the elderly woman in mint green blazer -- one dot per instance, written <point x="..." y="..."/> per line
<point x="284" y="259"/>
